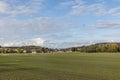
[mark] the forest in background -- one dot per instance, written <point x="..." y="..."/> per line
<point x="25" y="49"/>
<point x="99" y="47"/>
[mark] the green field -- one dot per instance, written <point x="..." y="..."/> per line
<point x="69" y="66"/>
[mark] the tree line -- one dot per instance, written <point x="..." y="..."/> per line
<point x="25" y="49"/>
<point x="100" y="47"/>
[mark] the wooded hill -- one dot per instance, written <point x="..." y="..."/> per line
<point x="99" y="47"/>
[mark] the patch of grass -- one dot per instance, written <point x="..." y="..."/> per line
<point x="70" y="66"/>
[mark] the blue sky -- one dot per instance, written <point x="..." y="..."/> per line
<point x="59" y="23"/>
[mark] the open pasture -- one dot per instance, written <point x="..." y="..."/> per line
<point x="68" y="66"/>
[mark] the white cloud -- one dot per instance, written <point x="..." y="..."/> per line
<point x="3" y="7"/>
<point x="94" y="9"/>
<point x="15" y="32"/>
<point x="67" y="44"/>
<point x="81" y="7"/>
<point x="38" y="41"/>
<point x="72" y="2"/>
<point x="35" y="41"/>
<point x="30" y="26"/>
<point x="106" y="24"/>
<point x="17" y="7"/>
<point x="112" y="35"/>
<point x="64" y="4"/>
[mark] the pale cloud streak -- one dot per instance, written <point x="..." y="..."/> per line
<point x="30" y="26"/>
<point x="17" y="7"/>
<point x="81" y="7"/>
<point x="106" y="24"/>
<point x="26" y="42"/>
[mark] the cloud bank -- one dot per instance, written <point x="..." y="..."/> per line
<point x="34" y="42"/>
<point x="18" y="7"/>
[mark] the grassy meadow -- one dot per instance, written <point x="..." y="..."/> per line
<point x="68" y="66"/>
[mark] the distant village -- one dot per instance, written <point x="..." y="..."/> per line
<point x="100" y="47"/>
<point x="31" y="50"/>
<point x="25" y="49"/>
